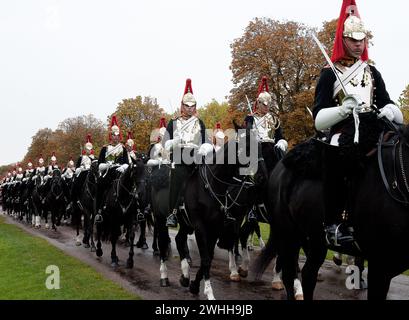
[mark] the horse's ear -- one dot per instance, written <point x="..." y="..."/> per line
<point x="236" y="126"/>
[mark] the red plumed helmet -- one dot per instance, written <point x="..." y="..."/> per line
<point x="263" y="95"/>
<point x="349" y="25"/>
<point x="162" y="123"/>
<point x="114" y="128"/>
<point x="188" y="98"/>
<point x="88" y="143"/>
<point x="129" y="140"/>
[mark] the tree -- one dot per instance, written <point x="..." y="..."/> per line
<point x="284" y="52"/>
<point x="403" y="101"/>
<point x="141" y="117"/>
<point x="67" y="141"/>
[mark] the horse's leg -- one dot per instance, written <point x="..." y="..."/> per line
<point x="163" y="237"/>
<point x="142" y="237"/>
<point x="98" y="225"/>
<point x="181" y="244"/>
<point x="289" y="261"/>
<point x="155" y="241"/>
<point x="131" y="230"/>
<point x="317" y="252"/>
<point x="234" y="274"/>
<point x="114" y="257"/>
<point x="208" y="290"/>
<point x="360" y="263"/>
<point x="277" y="282"/>
<point x="378" y="281"/>
<point x="53" y="219"/>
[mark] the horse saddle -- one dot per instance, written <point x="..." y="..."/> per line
<point x="391" y="167"/>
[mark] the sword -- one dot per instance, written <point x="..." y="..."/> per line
<point x="347" y="96"/>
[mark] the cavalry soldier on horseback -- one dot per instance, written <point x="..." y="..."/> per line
<point x="183" y="136"/>
<point x="113" y="160"/>
<point x="50" y="169"/>
<point x="40" y="170"/>
<point x="265" y="121"/>
<point x="130" y="147"/>
<point x="69" y="170"/>
<point x="82" y="167"/>
<point x="219" y="138"/>
<point x="156" y="151"/>
<point x="340" y="101"/>
<point x="29" y="171"/>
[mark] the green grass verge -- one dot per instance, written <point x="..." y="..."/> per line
<point x="23" y="262"/>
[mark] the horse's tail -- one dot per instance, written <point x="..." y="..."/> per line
<point x="267" y="254"/>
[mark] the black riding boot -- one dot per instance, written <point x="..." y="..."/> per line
<point x="335" y="195"/>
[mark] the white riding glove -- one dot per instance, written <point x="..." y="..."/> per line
<point x="122" y="168"/>
<point x="392" y="113"/>
<point x="171" y="143"/>
<point x="204" y="149"/>
<point x="349" y="104"/>
<point x="103" y="167"/>
<point x="282" y="144"/>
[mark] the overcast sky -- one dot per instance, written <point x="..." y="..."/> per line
<point x="65" y="58"/>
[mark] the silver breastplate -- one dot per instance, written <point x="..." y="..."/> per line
<point x="362" y="84"/>
<point x="265" y="126"/>
<point x="187" y="130"/>
<point x="85" y="162"/>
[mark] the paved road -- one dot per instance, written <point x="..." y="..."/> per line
<point x="143" y="279"/>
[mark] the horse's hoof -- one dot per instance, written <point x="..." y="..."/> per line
<point x="243" y="273"/>
<point x="184" y="282"/>
<point x="114" y="264"/>
<point x="194" y="288"/>
<point x="299" y="297"/>
<point x="164" y="282"/>
<point x="277" y="285"/>
<point x="78" y="243"/>
<point x="156" y="253"/>
<point x="99" y="252"/>
<point x="145" y="246"/>
<point x="235" y="277"/>
<point x="93" y="249"/>
<point x="337" y="261"/>
<point x="238" y="259"/>
<point x="129" y="264"/>
<point x="86" y="245"/>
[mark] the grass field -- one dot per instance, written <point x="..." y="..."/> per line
<point x="23" y="263"/>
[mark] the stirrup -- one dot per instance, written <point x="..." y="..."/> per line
<point x="171" y="220"/>
<point x="140" y="216"/>
<point x="98" y="218"/>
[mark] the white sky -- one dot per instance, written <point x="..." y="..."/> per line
<point x="65" y="58"/>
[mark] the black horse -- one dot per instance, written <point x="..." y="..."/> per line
<point x="125" y="199"/>
<point x="54" y="201"/>
<point x="83" y="204"/>
<point x="207" y="204"/>
<point x="377" y="212"/>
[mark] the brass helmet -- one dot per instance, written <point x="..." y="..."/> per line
<point x="354" y="28"/>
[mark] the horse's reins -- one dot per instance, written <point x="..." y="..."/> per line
<point x="224" y="206"/>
